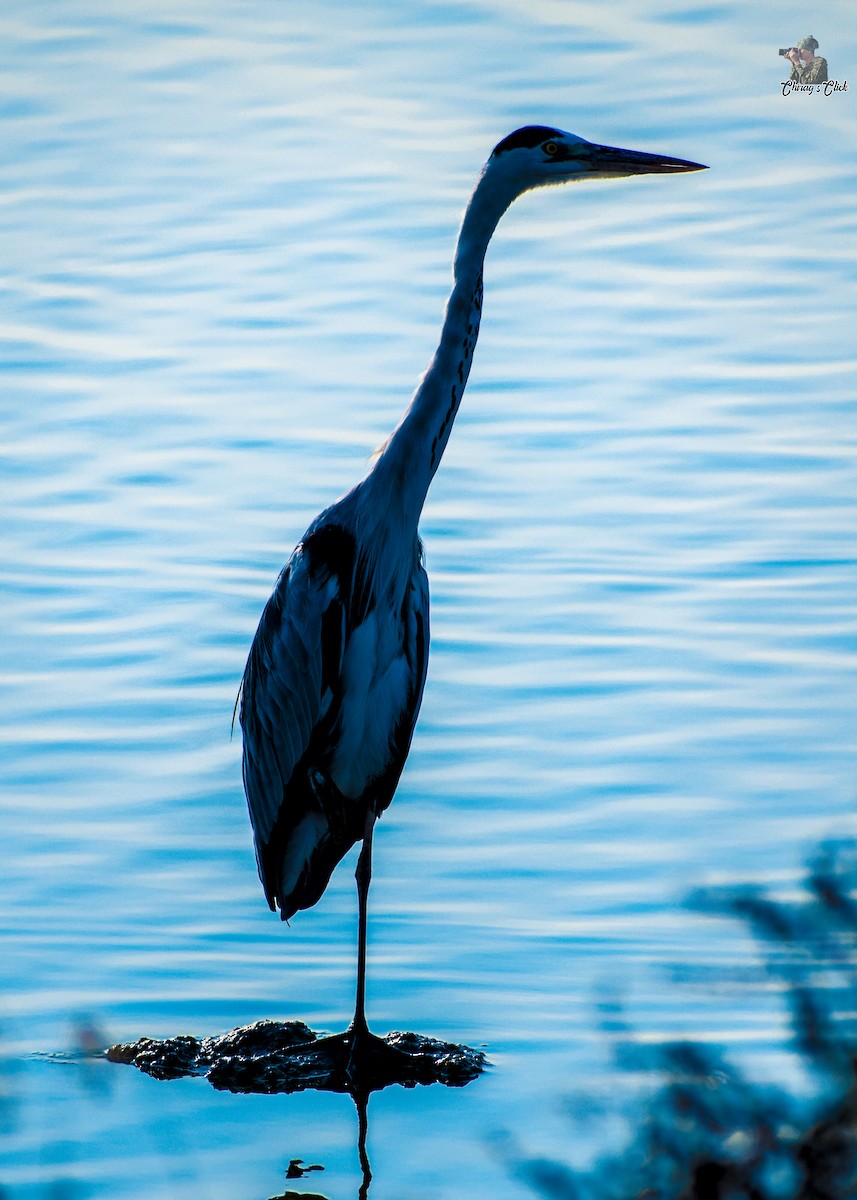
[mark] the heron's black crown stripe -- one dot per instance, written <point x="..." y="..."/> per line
<point x="526" y="138"/>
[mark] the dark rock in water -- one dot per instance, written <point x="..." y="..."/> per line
<point x="287" y="1056"/>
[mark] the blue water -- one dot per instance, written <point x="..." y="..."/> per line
<point x="226" y="245"/>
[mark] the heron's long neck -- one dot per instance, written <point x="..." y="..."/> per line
<point x="410" y="458"/>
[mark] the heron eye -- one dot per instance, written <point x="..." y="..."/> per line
<point x="550" y="148"/>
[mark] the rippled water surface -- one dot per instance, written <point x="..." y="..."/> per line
<point x="226" y="237"/>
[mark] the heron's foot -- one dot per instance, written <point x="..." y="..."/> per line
<point x="287" y="1056"/>
<point x="359" y="1060"/>
<point x="374" y="1058"/>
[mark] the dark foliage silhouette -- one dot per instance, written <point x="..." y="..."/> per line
<point x="710" y="1134"/>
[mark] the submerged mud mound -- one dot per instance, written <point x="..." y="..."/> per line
<point x="288" y="1056"/>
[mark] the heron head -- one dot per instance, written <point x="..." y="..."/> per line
<point x="538" y="155"/>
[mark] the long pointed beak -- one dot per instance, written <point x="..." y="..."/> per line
<point x="609" y="161"/>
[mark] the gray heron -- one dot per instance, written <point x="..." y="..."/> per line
<point x="336" y="671"/>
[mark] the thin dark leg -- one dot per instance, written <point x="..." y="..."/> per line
<point x="362" y="1131"/>
<point x="363" y="875"/>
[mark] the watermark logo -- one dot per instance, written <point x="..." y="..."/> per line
<point x="808" y="73"/>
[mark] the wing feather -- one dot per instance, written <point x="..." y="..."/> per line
<point x="415" y="616"/>
<point x="281" y="692"/>
<point x="292" y="713"/>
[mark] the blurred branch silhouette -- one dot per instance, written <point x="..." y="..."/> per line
<point x="710" y="1134"/>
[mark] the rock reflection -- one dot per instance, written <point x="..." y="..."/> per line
<point x="300" y="1196"/>
<point x="708" y="1133"/>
